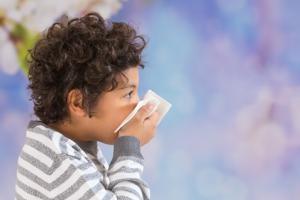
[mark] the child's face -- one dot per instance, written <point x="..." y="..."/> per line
<point x="112" y="108"/>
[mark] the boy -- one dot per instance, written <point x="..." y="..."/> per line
<point x="84" y="79"/>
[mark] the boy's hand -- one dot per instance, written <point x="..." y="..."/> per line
<point x="141" y="126"/>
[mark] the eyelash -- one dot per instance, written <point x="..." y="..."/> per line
<point x="130" y="93"/>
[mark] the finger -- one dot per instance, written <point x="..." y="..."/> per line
<point x="144" y="111"/>
<point x="154" y="118"/>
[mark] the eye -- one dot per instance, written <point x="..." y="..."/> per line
<point x="129" y="95"/>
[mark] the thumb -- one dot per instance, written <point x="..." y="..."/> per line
<point x="144" y="111"/>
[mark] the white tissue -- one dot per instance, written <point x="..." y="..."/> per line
<point x="161" y="105"/>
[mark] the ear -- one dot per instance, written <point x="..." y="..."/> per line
<point x="74" y="101"/>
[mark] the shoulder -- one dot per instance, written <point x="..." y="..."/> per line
<point x="47" y="170"/>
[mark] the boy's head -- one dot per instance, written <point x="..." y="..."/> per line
<point x="83" y="75"/>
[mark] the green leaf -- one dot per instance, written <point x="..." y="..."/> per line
<point x="24" y="40"/>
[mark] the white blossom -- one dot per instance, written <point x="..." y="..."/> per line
<point x="8" y="55"/>
<point x="37" y="15"/>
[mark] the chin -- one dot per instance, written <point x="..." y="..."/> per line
<point x="109" y="140"/>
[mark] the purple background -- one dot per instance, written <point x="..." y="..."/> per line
<point x="231" y="70"/>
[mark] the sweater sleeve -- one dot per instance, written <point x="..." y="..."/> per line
<point x="45" y="173"/>
<point x="126" y="169"/>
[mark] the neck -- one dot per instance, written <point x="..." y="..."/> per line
<point x="67" y="129"/>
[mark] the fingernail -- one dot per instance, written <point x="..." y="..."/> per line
<point x="150" y="106"/>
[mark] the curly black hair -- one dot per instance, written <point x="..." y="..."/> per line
<point x="86" y="53"/>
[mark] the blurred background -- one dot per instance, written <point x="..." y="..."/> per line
<point x="231" y="69"/>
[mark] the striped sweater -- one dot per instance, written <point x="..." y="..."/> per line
<point x="52" y="166"/>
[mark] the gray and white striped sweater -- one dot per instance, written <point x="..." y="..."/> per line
<point x="52" y="166"/>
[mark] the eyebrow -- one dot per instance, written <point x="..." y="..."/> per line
<point x="128" y="86"/>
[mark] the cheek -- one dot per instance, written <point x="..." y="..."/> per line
<point x="121" y="113"/>
<point x="113" y="111"/>
<point x="115" y="115"/>
<point x="103" y="125"/>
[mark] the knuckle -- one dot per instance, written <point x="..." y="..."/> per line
<point x="153" y="125"/>
<point x="152" y="129"/>
<point x="143" y="109"/>
<point x="137" y="118"/>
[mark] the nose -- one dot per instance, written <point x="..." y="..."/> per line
<point x="136" y="101"/>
